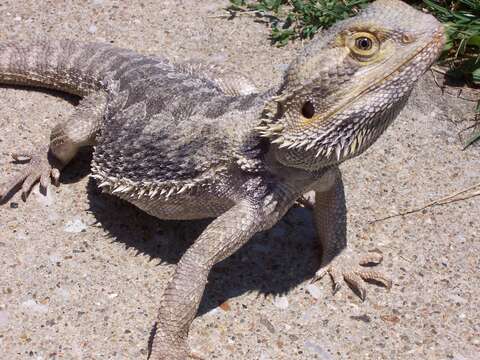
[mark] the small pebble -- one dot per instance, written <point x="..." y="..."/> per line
<point x="264" y="356"/>
<point x="268" y="325"/>
<point x="314" y="291"/>
<point x="316" y="348"/>
<point x="281" y="302"/>
<point x="92" y="29"/>
<point x="225" y="306"/>
<point x="214" y="311"/>
<point x="3" y="319"/>
<point x="34" y="306"/>
<point x="75" y="226"/>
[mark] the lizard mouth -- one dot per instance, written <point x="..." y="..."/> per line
<point x="431" y="49"/>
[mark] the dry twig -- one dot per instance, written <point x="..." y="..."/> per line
<point x="442" y="201"/>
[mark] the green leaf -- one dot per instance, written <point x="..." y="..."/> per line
<point x="474" y="41"/>
<point x="472" y="139"/>
<point x="476" y="79"/>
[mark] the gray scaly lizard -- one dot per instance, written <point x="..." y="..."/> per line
<point x="190" y="141"/>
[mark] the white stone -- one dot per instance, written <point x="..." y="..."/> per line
<point x="34" y="306"/>
<point x="281" y="302"/>
<point x="314" y="291"/>
<point x="3" y="319"/>
<point x="316" y="348"/>
<point x="92" y="29"/>
<point x="75" y="226"/>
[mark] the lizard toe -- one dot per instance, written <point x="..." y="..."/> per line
<point x="376" y="277"/>
<point x="27" y="185"/>
<point x="355" y="282"/>
<point x="40" y="168"/>
<point x="372" y="258"/>
<point x="345" y="268"/>
<point x="11" y="184"/>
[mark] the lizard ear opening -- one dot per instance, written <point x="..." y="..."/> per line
<point x="308" y="110"/>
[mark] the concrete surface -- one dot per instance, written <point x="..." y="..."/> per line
<point x="81" y="273"/>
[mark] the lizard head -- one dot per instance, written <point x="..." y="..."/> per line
<point x="347" y="86"/>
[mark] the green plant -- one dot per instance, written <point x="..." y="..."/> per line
<point x="293" y="19"/>
<point x="462" y="23"/>
<point x="475" y="136"/>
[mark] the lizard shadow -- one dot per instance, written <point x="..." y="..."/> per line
<point x="72" y="99"/>
<point x="271" y="263"/>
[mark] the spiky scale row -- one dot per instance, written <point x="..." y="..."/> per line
<point x="131" y="189"/>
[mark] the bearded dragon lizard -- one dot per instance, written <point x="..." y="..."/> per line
<point x="190" y="141"/>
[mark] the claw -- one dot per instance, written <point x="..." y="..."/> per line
<point x="45" y="180"/>
<point x="40" y="168"/>
<point x="27" y="185"/>
<point x="336" y="279"/>
<point x="336" y="287"/>
<point x="355" y="282"/>
<point x="344" y="268"/>
<point x="319" y="275"/>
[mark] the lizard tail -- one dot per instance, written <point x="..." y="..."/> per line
<point x="72" y="67"/>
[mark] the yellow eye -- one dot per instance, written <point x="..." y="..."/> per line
<point x="363" y="45"/>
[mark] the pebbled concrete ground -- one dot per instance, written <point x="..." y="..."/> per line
<point x="81" y="273"/>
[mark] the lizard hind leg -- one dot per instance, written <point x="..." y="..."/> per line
<point x="46" y="162"/>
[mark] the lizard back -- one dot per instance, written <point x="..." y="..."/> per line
<point x="167" y="130"/>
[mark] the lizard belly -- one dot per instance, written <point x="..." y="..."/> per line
<point x="183" y="206"/>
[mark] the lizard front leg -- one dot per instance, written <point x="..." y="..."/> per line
<point x="337" y="259"/>
<point x="66" y="139"/>
<point x="220" y="239"/>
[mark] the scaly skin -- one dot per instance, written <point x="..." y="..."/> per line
<point x="192" y="141"/>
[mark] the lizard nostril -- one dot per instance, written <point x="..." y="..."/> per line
<point x="308" y="110"/>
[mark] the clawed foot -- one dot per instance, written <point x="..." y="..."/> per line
<point x="344" y="266"/>
<point x="42" y="167"/>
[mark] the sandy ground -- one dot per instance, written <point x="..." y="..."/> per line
<point x="81" y="273"/>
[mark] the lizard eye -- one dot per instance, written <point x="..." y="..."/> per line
<point x="308" y="110"/>
<point x="363" y="45"/>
